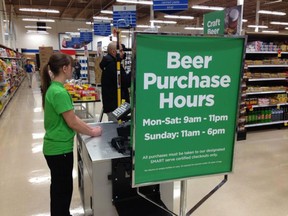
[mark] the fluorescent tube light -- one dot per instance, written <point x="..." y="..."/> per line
<point x="179" y="17"/>
<point x="268" y="31"/>
<point x="244" y="20"/>
<point x="279" y="23"/>
<point x="38" y="32"/>
<point x="286" y="28"/>
<point x="257" y="26"/>
<point x="147" y="26"/>
<point x="38" y="20"/>
<point x="193" y="28"/>
<point x="39" y="10"/>
<point x="102" y="18"/>
<point x="163" y="21"/>
<point x="46" y="20"/>
<point x="40" y="27"/>
<point x="136" y="2"/>
<point x="84" y="29"/>
<point x="271" y="12"/>
<point x="125" y="31"/>
<point x="106" y="12"/>
<point x="203" y="7"/>
<point x="73" y="33"/>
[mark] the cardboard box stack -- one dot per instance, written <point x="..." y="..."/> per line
<point x="44" y="54"/>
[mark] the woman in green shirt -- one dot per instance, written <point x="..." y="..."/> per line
<point x="60" y="124"/>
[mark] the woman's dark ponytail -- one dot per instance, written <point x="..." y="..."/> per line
<point x="45" y="83"/>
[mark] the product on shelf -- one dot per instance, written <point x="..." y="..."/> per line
<point x="261" y="46"/>
<point x="83" y="92"/>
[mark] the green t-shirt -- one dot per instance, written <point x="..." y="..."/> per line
<point x="59" y="136"/>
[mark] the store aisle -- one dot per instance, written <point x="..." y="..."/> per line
<point x="25" y="180"/>
<point x="258" y="185"/>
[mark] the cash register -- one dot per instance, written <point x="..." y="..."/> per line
<point x="125" y="198"/>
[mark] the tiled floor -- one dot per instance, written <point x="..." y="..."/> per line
<point x="258" y="185"/>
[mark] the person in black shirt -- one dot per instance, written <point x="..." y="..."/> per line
<point x="77" y="67"/>
<point x="109" y="81"/>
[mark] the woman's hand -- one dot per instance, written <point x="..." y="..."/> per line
<point x="96" y="131"/>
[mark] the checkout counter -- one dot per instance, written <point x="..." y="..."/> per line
<point x="105" y="184"/>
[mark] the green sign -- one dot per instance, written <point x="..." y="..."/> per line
<point x="227" y="21"/>
<point x="214" y="23"/>
<point x="184" y="106"/>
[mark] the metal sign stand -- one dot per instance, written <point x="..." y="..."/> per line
<point x="207" y="196"/>
<point x="183" y="196"/>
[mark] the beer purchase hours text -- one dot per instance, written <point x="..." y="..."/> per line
<point x="189" y="81"/>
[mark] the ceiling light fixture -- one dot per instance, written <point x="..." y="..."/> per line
<point x="279" y="23"/>
<point x="257" y="26"/>
<point x="40" y="27"/>
<point x="163" y="21"/>
<point x="38" y="32"/>
<point x="268" y="31"/>
<point x="244" y="20"/>
<point x="271" y="12"/>
<point x="179" y="17"/>
<point x="102" y="18"/>
<point x="193" y="28"/>
<point x="72" y="33"/>
<point x="136" y="2"/>
<point x="38" y="20"/>
<point x="147" y="26"/>
<point x="126" y="32"/>
<point x="106" y="12"/>
<point x="39" y="10"/>
<point x="203" y="7"/>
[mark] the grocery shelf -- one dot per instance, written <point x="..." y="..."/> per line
<point x="8" y="98"/>
<point x="265" y="79"/>
<point x="267" y="92"/>
<point x="270" y="105"/>
<point x="266" y="123"/>
<point x="270" y="65"/>
<point x="264" y="52"/>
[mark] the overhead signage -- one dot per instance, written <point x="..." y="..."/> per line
<point x="214" y="23"/>
<point x="72" y="41"/>
<point x="168" y="5"/>
<point x="75" y="40"/>
<point x="102" y="28"/>
<point x="226" y="22"/>
<point x="124" y="16"/>
<point x="86" y="37"/>
<point x="184" y="106"/>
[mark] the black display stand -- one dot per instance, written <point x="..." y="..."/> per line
<point x="125" y="198"/>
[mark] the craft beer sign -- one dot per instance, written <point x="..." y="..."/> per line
<point x="184" y="106"/>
